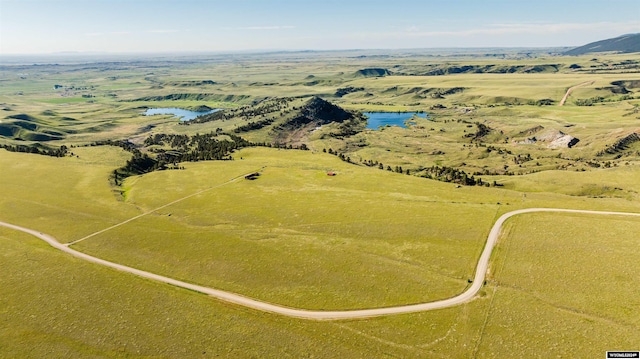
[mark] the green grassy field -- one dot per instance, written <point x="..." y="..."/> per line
<point x="289" y="264"/>
<point x="573" y="273"/>
<point x="558" y="284"/>
<point x="267" y="237"/>
<point x="68" y="197"/>
<point x="60" y="307"/>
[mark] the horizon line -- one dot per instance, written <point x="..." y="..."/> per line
<point x="247" y="51"/>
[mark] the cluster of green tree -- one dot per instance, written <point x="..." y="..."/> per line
<point x="599" y="99"/>
<point x="264" y="108"/>
<point x="182" y="148"/>
<point x="171" y="140"/>
<point x="518" y="159"/>
<point x="254" y="125"/>
<point x="216" y="116"/>
<point x="588" y="101"/>
<point x="482" y="131"/>
<point x="246" y="112"/>
<point x="398" y="169"/>
<point x="380" y="165"/>
<point x="338" y="154"/>
<point x="349" y="128"/>
<point x="450" y="174"/>
<point x="490" y="148"/>
<point x="542" y="102"/>
<point x="368" y="163"/>
<point x="138" y="164"/>
<point x="292" y="124"/>
<point x="444" y="174"/>
<point x="38" y="149"/>
<point x="487" y="172"/>
<point x="124" y="144"/>
<point x="191" y="96"/>
<point x="372" y="163"/>
<point x="57" y="86"/>
<point x="208" y="147"/>
<point x="283" y="146"/>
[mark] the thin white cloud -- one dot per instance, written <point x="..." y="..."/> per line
<point x="122" y="33"/>
<point x="115" y="33"/>
<point x="277" y="27"/>
<point x="530" y="28"/>
<point x="162" y="31"/>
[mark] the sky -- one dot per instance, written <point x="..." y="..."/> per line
<point x="160" y="26"/>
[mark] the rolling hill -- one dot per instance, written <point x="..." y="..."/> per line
<point x="624" y="44"/>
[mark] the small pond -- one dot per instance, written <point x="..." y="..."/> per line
<point x="182" y="114"/>
<point x="381" y="119"/>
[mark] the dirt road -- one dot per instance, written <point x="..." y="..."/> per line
<point x="564" y="99"/>
<point x="481" y="270"/>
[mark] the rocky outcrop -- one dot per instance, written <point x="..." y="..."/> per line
<point x="621" y="144"/>
<point x="553" y="139"/>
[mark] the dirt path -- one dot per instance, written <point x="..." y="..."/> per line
<point x="564" y="99"/>
<point x="162" y="207"/>
<point x="467" y="295"/>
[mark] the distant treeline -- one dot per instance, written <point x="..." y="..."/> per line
<point x="38" y="149"/>
<point x="444" y="174"/>
<point x="450" y="174"/>
<point x="124" y="144"/>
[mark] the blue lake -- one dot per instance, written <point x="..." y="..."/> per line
<point x="182" y="114"/>
<point x="381" y="119"/>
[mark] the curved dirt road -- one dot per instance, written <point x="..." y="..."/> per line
<point x="566" y="95"/>
<point x="481" y="269"/>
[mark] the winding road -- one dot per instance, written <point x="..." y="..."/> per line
<point x="467" y="295"/>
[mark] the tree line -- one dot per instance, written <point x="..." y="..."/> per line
<point x="38" y="149"/>
<point x="182" y="148"/>
<point x="444" y="173"/>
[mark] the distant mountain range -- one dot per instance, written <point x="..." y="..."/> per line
<point x="624" y="44"/>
